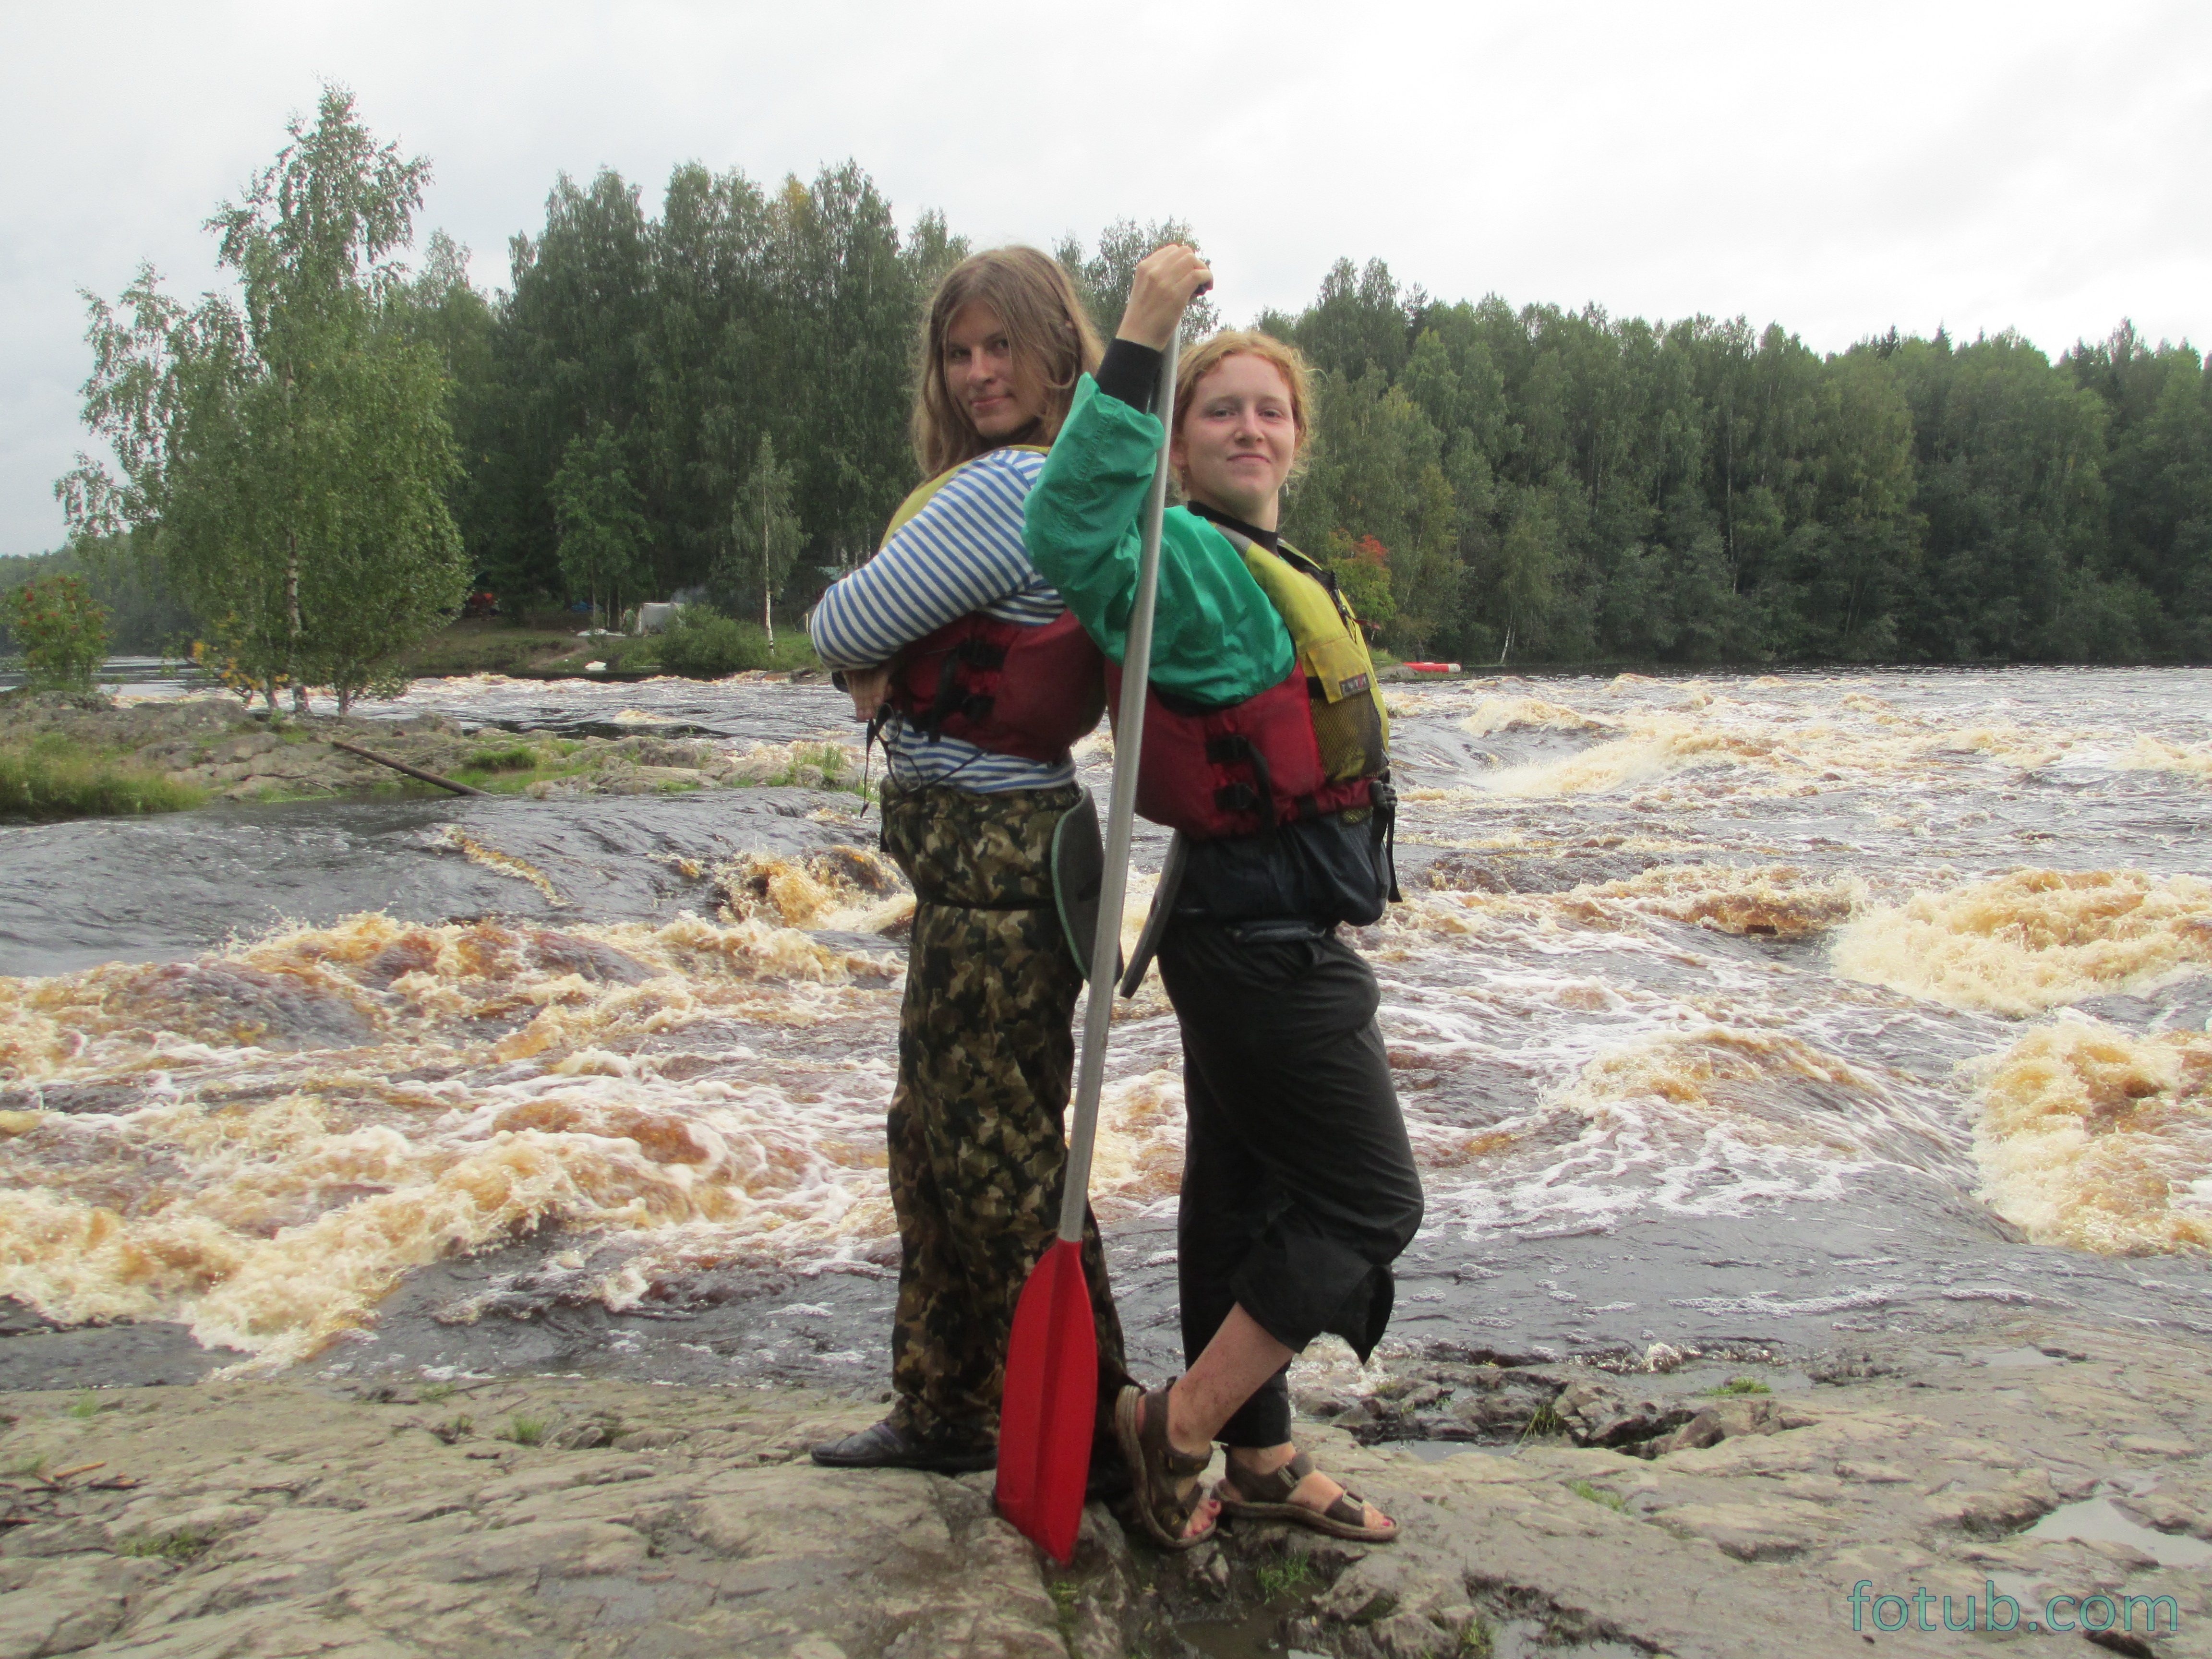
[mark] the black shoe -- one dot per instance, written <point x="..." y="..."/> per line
<point x="887" y="1446"/>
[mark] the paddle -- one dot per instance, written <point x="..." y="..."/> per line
<point x="1052" y="1360"/>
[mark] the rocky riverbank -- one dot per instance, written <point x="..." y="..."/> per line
<point x="1578" y="1512"/>
<point x="229" y="752"/>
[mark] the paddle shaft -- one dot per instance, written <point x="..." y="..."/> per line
<point x="1120" y="810"/>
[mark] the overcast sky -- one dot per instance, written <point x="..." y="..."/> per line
<point x="1834" y="169"/>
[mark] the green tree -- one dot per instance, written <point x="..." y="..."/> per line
<point x="290" y="450"/>
<point x="764" y="538"/>
<point x="2158" y="476"/>
<point x="1362" y="569"/>
<point x="1375" y="473"/>
<point x="568" y="360"/>
<point x="713" y="361"/>
<point x="604" y="540"/>
<point x="61" y="630"/>
<point x="2010" y="451"/>
<point x="1359" y="322"/>
<point x="143" y="616"/>
<point x="853" y="311"/>
<point x="1103" y="278"/>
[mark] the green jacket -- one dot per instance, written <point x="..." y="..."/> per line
<point x="1216" y="640"/>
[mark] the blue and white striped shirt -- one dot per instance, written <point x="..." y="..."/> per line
<point x="962" y="552"/>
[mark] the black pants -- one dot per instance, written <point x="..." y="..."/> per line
<point x="1299" y="1185"/>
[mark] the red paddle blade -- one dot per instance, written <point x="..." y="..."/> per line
<point x="1052" y="1395"/>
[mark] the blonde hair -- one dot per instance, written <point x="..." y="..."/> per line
<point x="1045" y="321"/>
<point x="1195" y="365"/>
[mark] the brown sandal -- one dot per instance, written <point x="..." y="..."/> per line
<point x="1267" y="1497"/>
<point x="1158" y="1469"/>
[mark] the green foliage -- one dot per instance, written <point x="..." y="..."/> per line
<point x="714" y="395"/>
<point x="42" y="785"/>
<point x="144" y="618"/>
<point x="1067" y="1597"/>
<point x="1362" y="569"/>
<point x="603" y="535"/>
<point x="480" y="649"/>
<point x="1102" y="279"/>
<point x="1543" y="1423"/>
<point x="61" y="631"/>
<point x="764" y="540"/>
<point x="1736" y="1385"/>
<point x="518" y="758"/>
<point x="84" y="1406"/>
<point x="702" y="644"/>
<point x="431" y="1393"/>
<point x="183" y="1544"/>
<point x="1557" y="485"/>
<point x="1597" y="1495"/>
<point x="818" y="767"/>
<point x="524" y="1430"/>
<point x="288" y="451"/>
<point x="1292" y="1575"/>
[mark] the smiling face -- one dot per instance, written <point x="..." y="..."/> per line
<point x="1238" y="440"/>
<point x="988" y="379"/>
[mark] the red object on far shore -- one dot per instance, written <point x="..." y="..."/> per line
<point x="1433" y="667"/>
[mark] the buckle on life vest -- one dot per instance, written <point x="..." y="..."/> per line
<point x="1234" y="748"/>
<point x="1236" y="798"/>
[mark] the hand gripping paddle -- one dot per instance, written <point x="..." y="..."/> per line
<point x="1052" y="1360"/>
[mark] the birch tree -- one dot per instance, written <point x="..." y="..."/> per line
<point x="288" y="444"/>
<point x="765" y="536"/>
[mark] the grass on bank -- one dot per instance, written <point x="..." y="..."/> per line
<point x="486" y="647"/>
<point x="49" y="779"/>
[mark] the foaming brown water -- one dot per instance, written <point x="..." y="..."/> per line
<point x="2034" y="939"/>
<point x="1675" y="952"/>
<point x="2100" y="1139"/>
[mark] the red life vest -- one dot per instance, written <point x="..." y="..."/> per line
<point x="1012" y="688"/>
<point x="1292" y="751"/>
<point x="1206" y="772"/>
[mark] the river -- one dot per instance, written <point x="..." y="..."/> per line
<point x="1729" y="1012"/>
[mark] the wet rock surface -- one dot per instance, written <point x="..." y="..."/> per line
<point x="558" y="1515"/>
<point x="239" y="753"/>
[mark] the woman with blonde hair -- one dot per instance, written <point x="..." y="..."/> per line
<point x="965" y="658"/>
<point x="1266" y="748"/>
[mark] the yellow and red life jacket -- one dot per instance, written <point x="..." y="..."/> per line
<point x="1314" y="744"/>
<point x="1021" y="688"/>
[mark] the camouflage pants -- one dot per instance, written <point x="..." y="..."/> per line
<point x="976" y="1125"/>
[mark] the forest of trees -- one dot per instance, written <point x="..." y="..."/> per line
<point x="1531" y="486"/>
<point x="1539" y="485"/>
<point x="1556" y="485"/>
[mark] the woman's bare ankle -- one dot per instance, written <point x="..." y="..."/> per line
<point x="1183" y="1436"/>
<point x="1262" y="1459"/>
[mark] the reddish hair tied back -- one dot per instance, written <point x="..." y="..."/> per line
<point x="1208" y="355"/>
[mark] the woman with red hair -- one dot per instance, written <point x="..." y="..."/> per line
<point x="1266" y="748"/>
